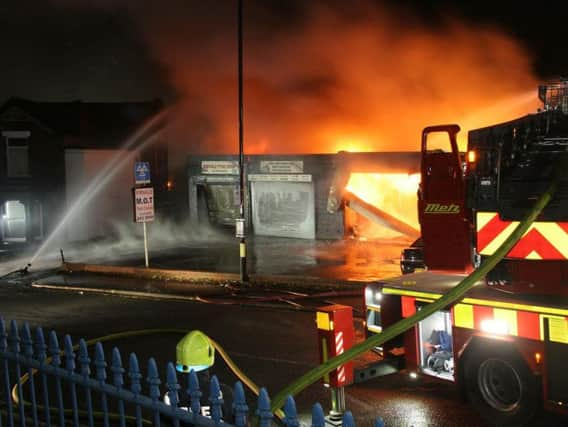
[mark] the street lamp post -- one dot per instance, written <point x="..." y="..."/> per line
<point x="240" y="223"/>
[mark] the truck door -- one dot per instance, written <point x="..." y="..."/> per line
<point x="442" y="213"/>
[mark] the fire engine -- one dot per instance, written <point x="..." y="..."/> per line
<point x="505" y="344"/>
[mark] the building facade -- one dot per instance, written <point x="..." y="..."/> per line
<point x="51" y="151"/>
<point x="285" y="195"/>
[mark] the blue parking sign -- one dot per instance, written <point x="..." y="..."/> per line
<point x="142" y="173"/>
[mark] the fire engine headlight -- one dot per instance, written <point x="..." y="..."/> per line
<point x="373" y="296"/>
<point x="495" y="326"/>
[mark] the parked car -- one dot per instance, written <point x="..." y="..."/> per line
<point x="412" y="258"/>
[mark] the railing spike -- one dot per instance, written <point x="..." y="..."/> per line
<point x="240" y="407"/>
<point x="172" y="385"/>
<point x="69" y="354"/>
<point x="118" y="380"/>
<point x="117" y="369"/>
<point x="318" y="417"/>
<point x="54" y="350"/>
<point x="14" y="337"/>
<point x="153" y="379"/>
<point x="70" y="367"/>
<point x="84" y="360"/>
<point x="27" y="342"/>
<point x="28" y="347"/>
<point x="263" y="410"/>
<point x="100" y="363"/>
<point x="194" y="392"/>
<point x="55" y="354"/>
<point x="216" y="400"/>
<point x="101" y="376"/>
<point x="134" y="374"/>
<point x="3" y="336"/>
<point x="291" y="418"/>
<point x="85" y="371"/>
<point x="40" y="346"/>
<point x="348" y="420"/>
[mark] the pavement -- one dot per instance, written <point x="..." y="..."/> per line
<point x="206" y="265"/>
<point x="290" y="274"/>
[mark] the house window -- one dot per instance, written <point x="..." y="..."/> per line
<point x="17" y="155"/>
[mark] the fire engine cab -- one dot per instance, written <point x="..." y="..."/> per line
<point x="505" y="344"/>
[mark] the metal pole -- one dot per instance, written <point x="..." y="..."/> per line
<point x="242" y="234"/>
<point x="145" y="244"/>
<point x="337" y="410"/>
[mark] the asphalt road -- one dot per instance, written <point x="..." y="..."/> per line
<point x="272" y="343"/>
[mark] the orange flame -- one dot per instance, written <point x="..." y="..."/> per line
<point x="391" y="192"/>
<point x="363" y="81"/>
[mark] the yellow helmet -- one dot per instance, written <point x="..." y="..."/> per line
<point x="194" y="351"/>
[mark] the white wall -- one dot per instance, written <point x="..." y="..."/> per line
<point x="113" y="203"/>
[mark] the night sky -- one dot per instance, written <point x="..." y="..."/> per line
<point x="97" y="49"/>
<point x="115" y="50"/>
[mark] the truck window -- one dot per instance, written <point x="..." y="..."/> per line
<point x="438" y="142"/>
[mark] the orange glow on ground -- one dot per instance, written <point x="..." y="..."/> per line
<point x="394" y="193"/>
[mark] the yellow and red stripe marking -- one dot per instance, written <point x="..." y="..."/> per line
<point x="339" y="348"/>
<point x="543" y="240"/>
<point x="525" y="321"/>
<point x="519" y="323"/>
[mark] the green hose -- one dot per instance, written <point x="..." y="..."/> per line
<point x="405" y="324"/>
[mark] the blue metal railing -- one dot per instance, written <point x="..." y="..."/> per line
<point x="44" y="384"/>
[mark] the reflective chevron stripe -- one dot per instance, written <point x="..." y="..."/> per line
<point x="543" y="240"/>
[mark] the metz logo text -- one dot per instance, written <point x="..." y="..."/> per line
<point x="438" y="208"/>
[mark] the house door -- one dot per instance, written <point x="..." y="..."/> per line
<point x="14" y="221"/>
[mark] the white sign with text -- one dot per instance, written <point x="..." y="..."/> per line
<point x="144" y="204"/>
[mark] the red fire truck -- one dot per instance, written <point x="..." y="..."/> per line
<point x="505" y="344"/>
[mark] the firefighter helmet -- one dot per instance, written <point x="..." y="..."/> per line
<point x="194" y="351"/>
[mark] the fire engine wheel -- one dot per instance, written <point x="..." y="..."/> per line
<point x="501" y="387"/>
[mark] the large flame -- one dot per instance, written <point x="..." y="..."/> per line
<point x="320" y="77"/>
<point x="337" y="81"/>
<point x="391" y="192"/>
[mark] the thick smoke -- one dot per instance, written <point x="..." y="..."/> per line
<point x="324" y="76"/>
<point x="325" y="80"/>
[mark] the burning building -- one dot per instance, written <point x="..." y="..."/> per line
<point x="309" y="196"/>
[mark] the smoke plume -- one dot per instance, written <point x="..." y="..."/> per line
<point x="325" y="76"/>
<point x="330" y="79"/>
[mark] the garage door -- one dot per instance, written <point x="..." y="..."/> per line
<point x="283" y="209"/>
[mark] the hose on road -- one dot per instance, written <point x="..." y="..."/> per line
<point x="454" y="295"/>
<point x="141" y="332"/>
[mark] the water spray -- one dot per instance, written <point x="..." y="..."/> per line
<point x="140" y="139"/>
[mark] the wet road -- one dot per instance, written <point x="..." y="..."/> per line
<point x="347" y="259"/>
<point x="272" y="345"/>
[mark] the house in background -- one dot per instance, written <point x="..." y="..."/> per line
<point x="51" y="151"/>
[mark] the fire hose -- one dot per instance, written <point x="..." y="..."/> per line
<point x="230" y="364"/>
<point x="403" y="325"/>
<point x="389" y="333"/>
